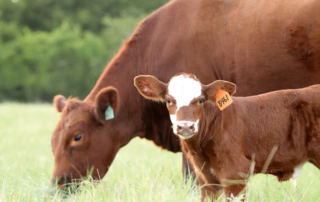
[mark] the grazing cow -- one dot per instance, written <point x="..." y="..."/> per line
<point x="259" y="45"/>
<point x="222" y="144"/>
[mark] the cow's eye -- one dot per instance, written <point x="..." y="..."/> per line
<point x="77" y="137"/>
<point x="169" y="101"/>
<point x="201" y="101"/>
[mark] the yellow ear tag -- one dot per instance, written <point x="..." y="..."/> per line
<point x="223" y="99"/>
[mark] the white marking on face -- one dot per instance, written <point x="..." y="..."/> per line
<point x="173" y="121"/>
<point x="173" y="118"/>
<point x="196" y="126"/>
<point x="184" y="90"/>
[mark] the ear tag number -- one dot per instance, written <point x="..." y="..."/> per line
<point x="109" y="113"/>
<point x="223" y="99"/>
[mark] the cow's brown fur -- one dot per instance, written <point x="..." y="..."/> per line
<point x="259" y="45"/>
<point x="249" y="129"/>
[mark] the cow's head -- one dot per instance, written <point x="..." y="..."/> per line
<point x="185" y="96"/>
<point x="83" y="139"/>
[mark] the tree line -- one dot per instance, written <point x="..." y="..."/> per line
<point x="61" y="46"/>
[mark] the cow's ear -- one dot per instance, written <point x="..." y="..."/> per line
<point x="212" y="88"/>
<point x="150" y="87"/>
<point x="59" y="102"/>
<point x="106" y="104"/>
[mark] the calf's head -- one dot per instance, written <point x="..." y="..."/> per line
<point x="184" y="96"/>
<point x="83" y="139"/>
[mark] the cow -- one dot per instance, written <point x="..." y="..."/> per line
<point x="221" y="144"/>
<point x="261" y="46"/>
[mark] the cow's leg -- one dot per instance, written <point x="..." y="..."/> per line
<point x="209" y="184"/>
<point x="235" y="178"/>
<point x="210" y="188"/>
<point x="234" y="190"/>
<point x="205" y="190"/>
<point x="187" y="169"/>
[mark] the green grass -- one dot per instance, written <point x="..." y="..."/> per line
<point x="140" y="172"/>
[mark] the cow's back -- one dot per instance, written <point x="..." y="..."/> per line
<point x="261" y="46"/>
<point x="287" y="119"/>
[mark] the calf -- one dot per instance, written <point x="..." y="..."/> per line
<point x="228" y="145"/>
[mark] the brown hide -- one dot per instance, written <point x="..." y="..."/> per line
<point x="259" y="45"/>
<point x="249" y="129"/>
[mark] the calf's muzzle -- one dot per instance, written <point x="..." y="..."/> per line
<point x="185" y="128"/>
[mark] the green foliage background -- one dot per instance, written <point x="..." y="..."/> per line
<point x="50" y="47"/>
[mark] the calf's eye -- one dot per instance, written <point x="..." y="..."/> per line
<point x="169" y="101"/>
<point x="201" y="101"/>
<point x="77" y="137"/>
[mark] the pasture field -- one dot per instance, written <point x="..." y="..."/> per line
<point x="140" y="172"/>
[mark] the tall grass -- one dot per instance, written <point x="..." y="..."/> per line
<point x="140" y="172"/>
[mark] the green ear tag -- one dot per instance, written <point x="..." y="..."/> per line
<point x="109" y="113"/>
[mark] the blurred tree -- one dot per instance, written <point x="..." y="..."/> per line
<point x="50" y="47"/>
<point x="38" y="65"/>
<point x="49" y="14"/>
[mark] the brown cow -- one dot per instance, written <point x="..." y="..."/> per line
<point x="259" y="45"/>
<point x="221" y="144"/>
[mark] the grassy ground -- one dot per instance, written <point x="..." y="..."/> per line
<point x="140" y="172"/>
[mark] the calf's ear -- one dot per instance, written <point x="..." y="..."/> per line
<point x="212" y="88"/>
<point x="150" y="87"/>
<point x="59" y="102"/>
<point x="106" y="104"/>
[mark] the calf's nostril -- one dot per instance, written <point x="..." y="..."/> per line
<point x="179" y="128"/>
<point x="191" y="127"/>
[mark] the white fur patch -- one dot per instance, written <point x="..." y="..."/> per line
<point x="212" y="171"/>
<point x="173" y="118"/>
<point x="184" y="90"/>
<point x="196" y="126"/>
<point x="297" y="171"/>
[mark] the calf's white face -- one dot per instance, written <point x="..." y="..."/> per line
<point x="182" y="90"/>
<point x="185" y="96"/>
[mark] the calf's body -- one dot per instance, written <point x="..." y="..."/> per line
<point x="274" y="133"/>
<point x="249" y="129"/>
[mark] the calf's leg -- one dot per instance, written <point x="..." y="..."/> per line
<point x="187" y="169"/>
<point x="210" y="185"/>
<point x="235" y="178"/>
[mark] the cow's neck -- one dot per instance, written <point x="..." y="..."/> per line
<point x="143" y="118"/>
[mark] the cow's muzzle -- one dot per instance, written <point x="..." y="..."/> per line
<point x="185" y="129"/>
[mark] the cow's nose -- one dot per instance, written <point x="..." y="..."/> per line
<point x="185" y="128"/>
<point x="61" y="181"/>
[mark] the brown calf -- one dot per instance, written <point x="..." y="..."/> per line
<point x="222" y="144"/>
